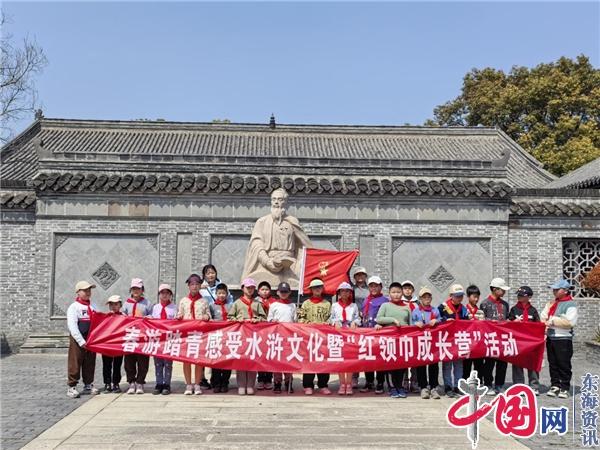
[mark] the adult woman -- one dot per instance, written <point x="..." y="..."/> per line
<point x="210" y="281"/>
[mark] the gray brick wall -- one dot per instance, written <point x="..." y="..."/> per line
<point x="524" y="253"/>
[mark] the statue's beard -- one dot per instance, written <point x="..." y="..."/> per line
<point x="277" y="212"/>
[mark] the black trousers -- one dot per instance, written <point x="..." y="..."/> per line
<point x="111" y="369"/>
<point x="488" y="372"/>
<point x="428" y="376"/>
<point x="473" y="364"/>
<point x="308" y="380"/>
<point x="220" y="377"/>
<point x="560" y="352"/>
<point x="265" y="377"/>
<point x="397" y="377"/>
<point x="136" y="368"/>
<point x="370" y="377"/>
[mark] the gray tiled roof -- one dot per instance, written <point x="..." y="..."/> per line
<point x="136" y="182"/>
<point x="352" y="144"/>
<point x="555" y="208"/>
<point x="587" y="176"/>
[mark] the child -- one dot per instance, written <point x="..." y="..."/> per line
<point x="410" y="382"/>
<point x="473" y="294"/>
<point x="284" y="311"/>
<point x="453" y="309"/>
<point x="396" y="312"/>
<point x="560" y="317"/>
<point x="370" y="309"/>
<point x="523" y="311"/>
<point x="495" y="308"/>
<point x="426" y="315"/>
<point x="264" y="296"/>
<point x="111" y="365"/>
<point x="344" y="314"/>
<point x="193" y="307"/>
<point x="163" y="368"/>
<point x="315" y="310"/>
<point x="81" y="362"/>
<point x="218" y="310"/>
<point x="360" y="293"/>
<point x="246" y="309"/>
<point x="136" y="366"/>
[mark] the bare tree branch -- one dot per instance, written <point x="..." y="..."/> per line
<point x="18" y="67"/>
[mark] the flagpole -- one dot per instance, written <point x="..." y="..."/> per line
<point x="301" y="280"/>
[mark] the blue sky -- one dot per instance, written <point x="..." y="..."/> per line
<point x="336" y="63"/>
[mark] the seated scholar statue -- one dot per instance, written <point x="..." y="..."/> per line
<point x="275" y="250"/>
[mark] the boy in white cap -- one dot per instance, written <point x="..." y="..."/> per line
<point x="81" y="362"/>
<point x="315" y="310"/>
<point x="344" y="314"/>
<point x="495" y="308"/>
<point x="369" y="315"/>
<point x="111" y="365"/>
<point x="410" y="376"/>
<point x="284" y="311"/>
<point x="163" y="368"/>
<point x="560" y="316"/>
<point x="453" y="309"/>
<point x="246" y="309"/>
<point x="136" y="366"/>
<point x="193" y="307"/>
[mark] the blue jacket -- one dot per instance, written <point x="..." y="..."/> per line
<point x="446" y="313"/>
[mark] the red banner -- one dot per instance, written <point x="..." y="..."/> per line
<point x="329" y="265"/>
<point x="292" y="347"/>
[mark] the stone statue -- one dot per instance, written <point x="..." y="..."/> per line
<point x="275" y="250"/>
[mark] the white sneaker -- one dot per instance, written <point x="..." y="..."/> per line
<point x="242" y="391"/>
<point x="197" y="389"/>
<point x="140" y="389"/>
<point x="563" y="394"/>
<point x="250" y="391"/>
<point x="189" y="390"/>
<point x="72" y="392"/>
<point x="131" y="389"/>
<point x="89" y="389"/>
<point x="553" y="392"/>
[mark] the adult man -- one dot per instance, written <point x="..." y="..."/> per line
<point x="274" y="251"/>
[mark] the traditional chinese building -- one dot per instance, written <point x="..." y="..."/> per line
<point x="111" y="200"/>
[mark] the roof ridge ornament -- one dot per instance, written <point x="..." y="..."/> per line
<point x="272" y="123"/>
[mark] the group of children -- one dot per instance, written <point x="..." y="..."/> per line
<point x="360" y="305"/>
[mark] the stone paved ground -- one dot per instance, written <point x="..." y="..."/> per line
<point x="230" y="421"/>
<point x="33" y="396"/>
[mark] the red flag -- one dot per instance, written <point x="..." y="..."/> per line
<point x="329" y="265"/>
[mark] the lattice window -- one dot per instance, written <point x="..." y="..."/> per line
<point x="579" y="257"/>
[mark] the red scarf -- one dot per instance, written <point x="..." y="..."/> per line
<point x="455" y="309"/>
<point x="499" y="305"/>
<point x="403" y="303"/>
<point x="222" y="303"/>
<point x="525" y="310"/>
<point x="344" y="305"/>
<point x="281" y="300"/>
<point x="248" y="303"/>
<point x="194" y="299"/>
<point x="266" y="302"/>
<point x="163" y="311"/>
<point x="472" y="310"/>
<point x="316" y="300"/>
<point x="368" y="301"/>
<point x="89" y="308"/>
<point x="130" y="300"/>
<point x="554" y="305"/>
<point x="428" y="309"/>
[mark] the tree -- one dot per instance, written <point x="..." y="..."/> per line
<point x="551" y="110"/>
<point x="18" y="67"/>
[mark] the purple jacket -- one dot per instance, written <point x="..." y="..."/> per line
<point x="371" y="314"/>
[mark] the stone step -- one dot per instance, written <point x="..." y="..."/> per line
<point x="45" y="343"/>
